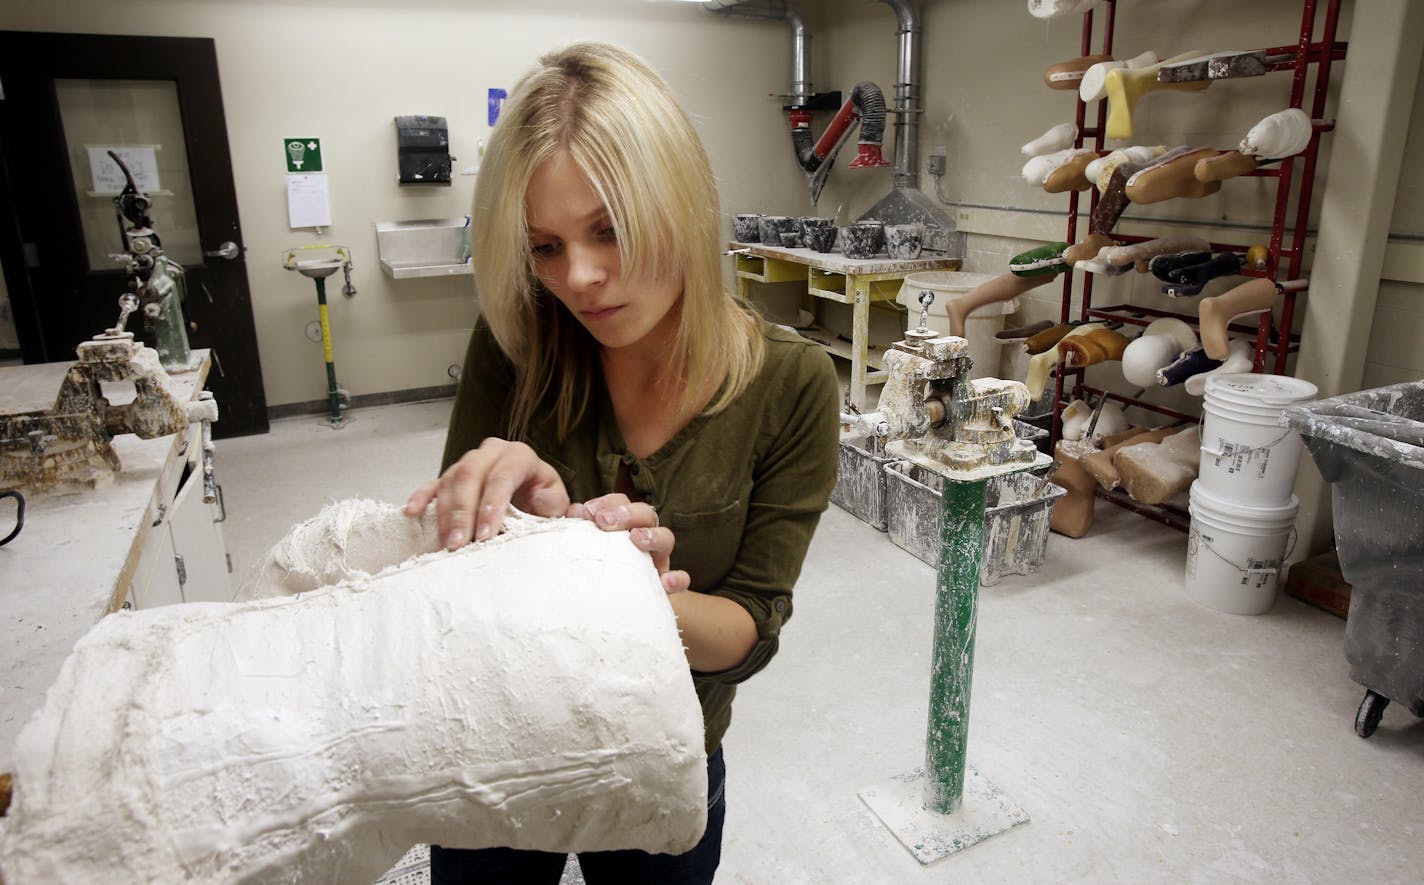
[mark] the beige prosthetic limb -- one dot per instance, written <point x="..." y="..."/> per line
<point x="1040" y="364"/>
<point x="475" y="698"/>
<point x="1090" y="348"/>
<point x="1156" y="472"/>
<point x="1001" y="288"/>
<point x="1072" y="513"/>
<point x="1100" y="464"/>
<point x="1172" y="176"/>
<point x="1217" y="312"/>
<point x="1141" y="253"/>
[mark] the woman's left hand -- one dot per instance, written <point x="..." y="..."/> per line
<point x="615" y="512"/>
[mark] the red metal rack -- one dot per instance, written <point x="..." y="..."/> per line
<point x="1274" y="341"/>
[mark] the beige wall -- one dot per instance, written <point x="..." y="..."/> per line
<point x="983" y="97"/>
<point x="341" y="70"/>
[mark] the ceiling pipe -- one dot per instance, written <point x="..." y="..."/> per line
<point x="907" y="95"/>
<point x="777" y="10"/>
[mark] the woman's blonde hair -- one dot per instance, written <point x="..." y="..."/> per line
<point x="621" y="124"/>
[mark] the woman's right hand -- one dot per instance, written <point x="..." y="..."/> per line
<point x="472" y="494"/>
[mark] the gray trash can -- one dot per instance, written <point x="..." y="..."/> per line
<point x="1370" y="447"/>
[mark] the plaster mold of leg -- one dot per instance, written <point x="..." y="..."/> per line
<point x="1100" y="464"/>
<point x="350" y="539"/>
<point x="1001" y="288"/>
<point x="1216" y="313"/>
<point x="1057" y="138"/>
<point x="1092" y="87"/>
<point x="1173" y="175"/>
<point x="1057" y="8"/>
<point x="1154" y="473"/>
<point x="1039" y="170"/>
<point x="1160" y="343"/>
<point x="1124" y="86"/>
<point x="1068" y="74"/>
<point x="471" y="698"/>
<point x="1040" y="364"/>
<point x="1126" y="256"/>
<point x="1282" y="134"/>
<point x="1240" y="359"/>
<point x="1091" y="348"/>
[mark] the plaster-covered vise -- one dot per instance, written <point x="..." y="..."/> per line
<point x="939" y="418"/>
<point x="68" y="444"/>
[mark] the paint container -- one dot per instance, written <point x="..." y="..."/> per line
<point x="822" y="239"/>
<point x="863" y="239"/>
<point x="1246" y="455"/>
<point x="746" y="228"/>
<point x="1235" y="551"/>
<point x="772" y="227"/>
<point x="1017" y="514"/>
<point x="860" y="482"/>
<point x="904" y="241"/>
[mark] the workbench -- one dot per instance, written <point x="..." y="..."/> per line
<point x="145" y="539"/>
<point x="831" y="275"/>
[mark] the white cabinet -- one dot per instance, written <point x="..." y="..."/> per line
<point x="184" y="558"/>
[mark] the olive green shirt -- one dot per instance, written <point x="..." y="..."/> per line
<point x="742" y="490"/>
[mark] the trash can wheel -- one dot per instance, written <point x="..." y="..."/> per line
<point x="1371" y="709"/>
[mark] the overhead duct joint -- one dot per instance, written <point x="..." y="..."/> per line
<point x="777" y="10"/>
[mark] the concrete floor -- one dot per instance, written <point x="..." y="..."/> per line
<point x="1148" y="738"/>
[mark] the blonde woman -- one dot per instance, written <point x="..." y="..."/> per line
<point x="613" y="378"/>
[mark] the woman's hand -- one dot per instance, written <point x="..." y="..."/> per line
<point x="472" y="494"/>
<point x="616" y="512"/>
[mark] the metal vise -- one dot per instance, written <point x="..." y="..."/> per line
<point x="940" y="419"/>
<point x="69" y="442"/>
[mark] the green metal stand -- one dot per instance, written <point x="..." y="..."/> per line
<point x="946" y="806"/>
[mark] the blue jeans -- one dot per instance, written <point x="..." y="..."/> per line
<point x="498" y="866"/>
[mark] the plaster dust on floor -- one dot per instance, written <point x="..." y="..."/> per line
<point x="1148" y="738"/>
<point x="388" y="694"/>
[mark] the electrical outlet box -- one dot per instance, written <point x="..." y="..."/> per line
<point x="937" y="160"/>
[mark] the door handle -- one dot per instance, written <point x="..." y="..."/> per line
<point x="228" y="250"/>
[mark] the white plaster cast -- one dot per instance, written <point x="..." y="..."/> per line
<point x="1282" y="134"/>
<point x="1057" y="138"/>
<point x="529" y="691"/>
<point x="1093" y="86"/>
<point x="1240" y="359"/>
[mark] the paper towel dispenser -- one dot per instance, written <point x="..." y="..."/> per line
<point x="423" y="149"/>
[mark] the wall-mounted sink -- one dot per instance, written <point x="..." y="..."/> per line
<point x="433" y="247"/>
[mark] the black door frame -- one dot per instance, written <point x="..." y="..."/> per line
<point x="42" y="194"/>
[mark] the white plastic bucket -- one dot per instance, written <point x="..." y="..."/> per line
<point x="979" y="327"/>
<point x="1246" y="455"/>
<point x="1235" y="552"/>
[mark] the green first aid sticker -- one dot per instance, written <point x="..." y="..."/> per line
<point x="303" y="154"/>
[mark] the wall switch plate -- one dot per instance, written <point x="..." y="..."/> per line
<point x="937" y="161"/>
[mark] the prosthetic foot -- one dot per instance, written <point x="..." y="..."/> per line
<point x="1216" y="313"/>
<point x="1001" y="288"/>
